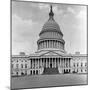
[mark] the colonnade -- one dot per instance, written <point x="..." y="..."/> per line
<point x="50" y="44"/>
<point x="38" y="64"/>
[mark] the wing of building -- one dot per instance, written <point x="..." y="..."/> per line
<point x="50" y="57"/>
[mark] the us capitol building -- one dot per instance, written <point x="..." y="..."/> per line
<point x="50" y="57"/>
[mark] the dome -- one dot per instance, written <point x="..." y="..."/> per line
<point x="51" y="37"/>
<point x="51" y="25"/>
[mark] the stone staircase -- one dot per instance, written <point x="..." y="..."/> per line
<point x="50" y="71"/>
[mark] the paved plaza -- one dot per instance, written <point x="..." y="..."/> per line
<point x="48" y="80"/>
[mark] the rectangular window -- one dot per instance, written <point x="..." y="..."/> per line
<point x="25" y="65"/>
<point x="81" y="64"/>
<point x="74" y="64"/>
<point x="85" y="64"/>
<point x="21" y="65"/>
<point x="12" y="66"/>
<point x="16" y="65"/>
<point x="77" y="64"/>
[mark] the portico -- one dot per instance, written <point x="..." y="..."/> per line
<point x="61" y="63"/>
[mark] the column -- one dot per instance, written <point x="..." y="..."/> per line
<point x="46" y="62"/>
<point x="55" y="62"/>
<point x="38" y="62"/>
<point x="58" y="45"/>
<point x="60" y="62"/>
<point x="52" y="62"/>
<point x="42" y="44"/>
<point x="47" y="44"/>
<point x="35" y="63"/>
<point x="32" y="63"/>
<point x="64" y="63"/>
<point x="51" y="44"/>
<point x="49" y="63"/>
<point x="41" y="61"/>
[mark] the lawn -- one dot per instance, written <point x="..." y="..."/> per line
<point x="48" y="80"/>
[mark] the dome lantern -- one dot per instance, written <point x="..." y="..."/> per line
<point x="51" y="14"/>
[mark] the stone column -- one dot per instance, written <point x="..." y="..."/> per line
<point x="64" y="63"/>
<point x="50" y="43"/>
<point x="41" y="62"/>
<point x="32" y="63"/>
<point x="41" y="45"/>
<point x="55" y="62"/>
<point x="35" y="63"/>
<point x="49" y="63"/>
<point x="53" y="43"/>
<point x="52" y="63"/>
<point x="58" y="45"/>
<point x="38" y="62"/>
<point x="47" y="44"/>
<point x="46" y="62"/>
<point x="60" y="62"/>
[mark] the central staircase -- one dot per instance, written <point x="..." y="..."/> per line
<point x="50" y="71"/>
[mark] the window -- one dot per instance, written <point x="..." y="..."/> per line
<point x="17" y="73"/>
<point x="25" y="72"/>
<point x="16" y="65"/>
<point x="77" y="64"/>
<point x="74" y="64"/>
<point x="81" y="70"/>
<point x="85" y="64"/>
<point x="21" y="65"/>
<point x="12" y="66"/>
<point x="77" y="70"/>
<point x="25" y="65"/>
<point x="81" y="64"/>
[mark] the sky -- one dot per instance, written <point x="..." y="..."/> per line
<point x="28" y="19"/>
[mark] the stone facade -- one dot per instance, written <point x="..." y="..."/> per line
<point x="50" y="57"/>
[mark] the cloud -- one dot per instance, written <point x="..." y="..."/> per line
<point x="82" y="14"/>
<point x="23" y="33"/>
<point x="71" y="10"/>
<point x="57" y="11"/>
<point x="43" y="6"/>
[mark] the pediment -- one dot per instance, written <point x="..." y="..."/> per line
<point x="51" y="53"/>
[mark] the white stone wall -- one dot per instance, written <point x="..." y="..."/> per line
<point x="79" y="64"/>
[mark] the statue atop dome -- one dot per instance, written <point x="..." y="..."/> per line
<point x="51" y="14"/>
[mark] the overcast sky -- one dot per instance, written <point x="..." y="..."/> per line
<point x="28" y="19"/>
